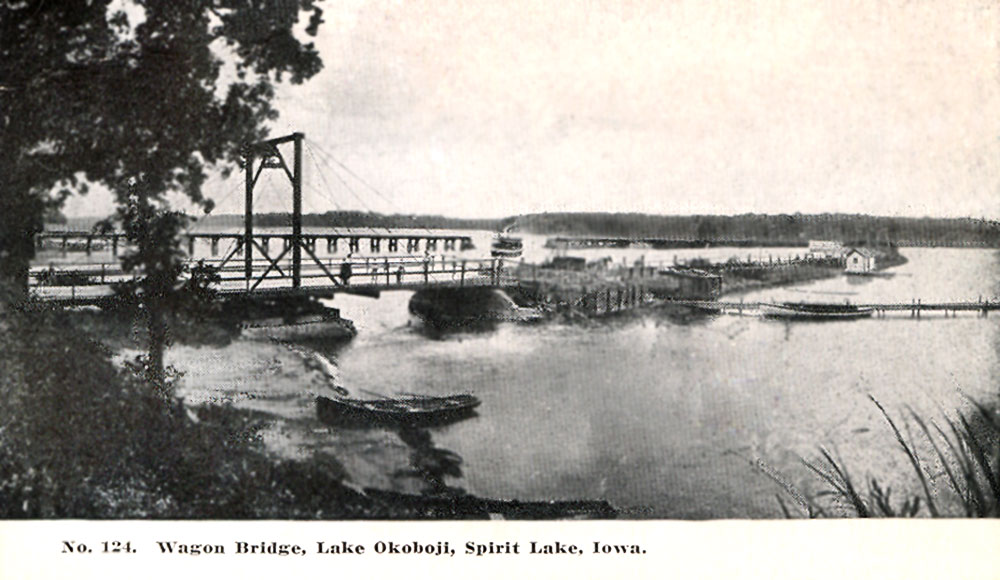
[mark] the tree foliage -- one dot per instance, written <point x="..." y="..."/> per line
<point x="98" y="91"/>
<point x="164" y="285"/>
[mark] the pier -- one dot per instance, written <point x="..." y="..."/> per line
<point x="914" y="308"/>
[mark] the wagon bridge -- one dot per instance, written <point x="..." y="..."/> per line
<point x="273" y="263"/>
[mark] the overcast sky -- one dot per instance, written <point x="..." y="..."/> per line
<point x="489" y="108"/>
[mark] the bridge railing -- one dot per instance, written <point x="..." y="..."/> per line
<point x="80" y="284"/>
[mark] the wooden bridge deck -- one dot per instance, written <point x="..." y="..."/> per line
<point x="86" y="284"/>
<point x="914" y="307"/>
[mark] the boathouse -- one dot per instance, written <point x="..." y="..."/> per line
<point x="860" y="261"/>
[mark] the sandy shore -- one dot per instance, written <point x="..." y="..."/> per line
<point x="280" y="386"/>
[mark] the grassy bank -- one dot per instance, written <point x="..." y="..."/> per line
<point x="739" y="281"/>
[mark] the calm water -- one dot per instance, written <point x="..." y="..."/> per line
<point x="664" y="419"/>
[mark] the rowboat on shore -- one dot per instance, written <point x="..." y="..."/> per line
<point x="409" y="410"/>
<point x="815" y="311"/>
<point x="467" y="505"/>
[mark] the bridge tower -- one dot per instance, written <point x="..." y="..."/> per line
<point x="267" y="155"/>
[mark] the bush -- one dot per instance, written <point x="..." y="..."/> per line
<point x="80" y="438"/>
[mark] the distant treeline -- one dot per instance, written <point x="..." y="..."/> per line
<point x="771" y="230"/>
<point x="782" y="229"/>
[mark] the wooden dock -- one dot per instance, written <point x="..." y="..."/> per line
<point x="914" y="308"/>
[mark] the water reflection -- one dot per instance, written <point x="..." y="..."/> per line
<point x="431" y="463"/>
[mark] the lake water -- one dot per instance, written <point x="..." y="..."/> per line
<point x="664" y="419"/>
<point x="667" y="419"/>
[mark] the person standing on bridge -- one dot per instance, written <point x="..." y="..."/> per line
<point x="399" y="274"/>
<point x="345" y="270"/>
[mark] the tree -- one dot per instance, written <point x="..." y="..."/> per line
<point x="90" y="93"/>
<point x="164" y="282"/>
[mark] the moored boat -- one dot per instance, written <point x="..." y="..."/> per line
<point x="313" y="326"/>
<point x="815" y="311"/>
<point x="409" y="410"/>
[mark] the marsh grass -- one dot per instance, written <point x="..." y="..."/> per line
<point x="964" y="459"/>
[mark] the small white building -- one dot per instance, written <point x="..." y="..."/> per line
<point x="860" y="261"/>
<point x="825" y="249"/>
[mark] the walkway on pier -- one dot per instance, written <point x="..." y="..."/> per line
<point x="914" y="308"/>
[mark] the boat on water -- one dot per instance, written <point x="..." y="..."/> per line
<point x="505" y="246"/>
<point x="407" y="411"/>
<point x="815" y="311"/>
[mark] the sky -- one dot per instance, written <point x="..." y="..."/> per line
<point x="487" y="108"/>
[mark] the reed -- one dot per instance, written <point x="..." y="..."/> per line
<point x="960" y="477"/>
